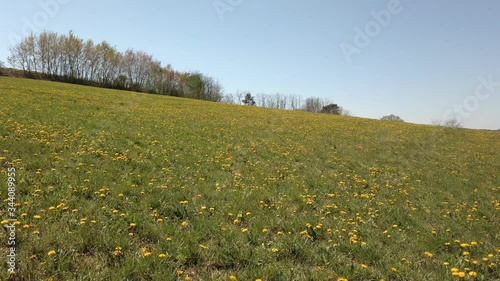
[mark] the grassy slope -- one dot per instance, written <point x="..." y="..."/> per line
<point x="277" y="195"/>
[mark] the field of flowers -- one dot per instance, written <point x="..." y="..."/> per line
<point x="116" y="185"/>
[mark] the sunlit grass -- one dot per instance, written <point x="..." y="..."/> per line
<point x="116" y="185"/>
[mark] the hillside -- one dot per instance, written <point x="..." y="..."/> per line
<point x="115" y="185"/>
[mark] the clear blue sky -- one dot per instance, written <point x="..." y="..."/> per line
<point x="422" y="64"/>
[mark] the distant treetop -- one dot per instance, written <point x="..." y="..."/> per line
<point x="392" y="117"/>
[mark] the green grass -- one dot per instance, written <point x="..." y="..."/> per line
<point x="225" y="190"/>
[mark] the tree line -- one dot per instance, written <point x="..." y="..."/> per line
<point x="67" y="58"/>
<point x="286" y="102"/>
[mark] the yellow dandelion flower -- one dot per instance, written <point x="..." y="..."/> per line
<point x="233" y="278"/>
<point x="51" y="253"/>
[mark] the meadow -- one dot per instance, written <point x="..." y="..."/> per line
<point x="114" y="185"/>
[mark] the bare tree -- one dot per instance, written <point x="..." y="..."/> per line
<point x="228" y="98"/>
<point x="453" y="123"/>
<point x="239" y="96"/>
<point x="294" y="102"/>
<point x="212" y="88"/>
<point x="344" y="112"/>
<point x="313" y="104"/>
<point x="436" y="122"/>
<point x="271" y="101"/>
<point x="23" y="55"/>
<point x="278" y="100"/>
